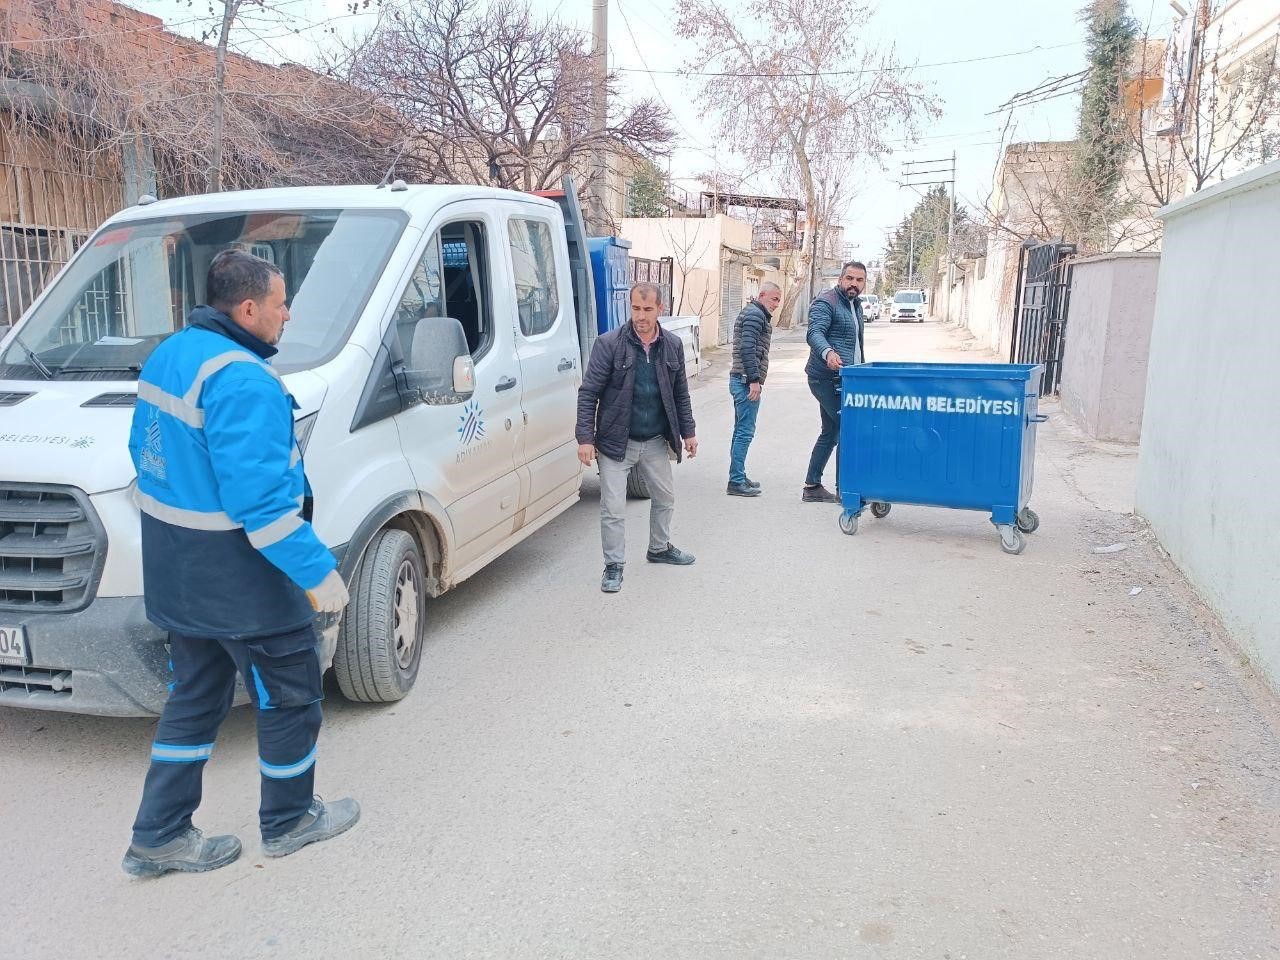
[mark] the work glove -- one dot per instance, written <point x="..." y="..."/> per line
<point x="330" y="595"/>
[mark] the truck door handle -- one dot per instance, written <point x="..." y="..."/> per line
<point x="506" y="383"/>
<point x="565" y="364"/>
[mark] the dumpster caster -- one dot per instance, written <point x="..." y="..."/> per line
<point x="848" y="524"/>
<point x="1012" y="540"/>
<point x="1028" y="520"/>
<point x="880" y="510"/>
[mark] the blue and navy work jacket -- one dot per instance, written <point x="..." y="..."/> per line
<point x="226" y="551"/>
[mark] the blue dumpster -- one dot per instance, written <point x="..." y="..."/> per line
<point x="611" y="270"/>
<point x="960" y="435"/>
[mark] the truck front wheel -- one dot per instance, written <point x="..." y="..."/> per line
<point x="637" y="488"/>
<point x="380" y="644"/>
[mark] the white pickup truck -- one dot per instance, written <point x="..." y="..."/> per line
<point x="437" y="343"/>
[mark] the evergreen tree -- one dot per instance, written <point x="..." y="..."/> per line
<point x="647" y="192"/>
<point x="1110" y="36"/>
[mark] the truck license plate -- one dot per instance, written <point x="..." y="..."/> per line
<point x="13" y="645"/>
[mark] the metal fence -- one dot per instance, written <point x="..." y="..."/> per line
<point x="657" y="272"/>
<point x="45" y="215"/>
<point x="1043" y="301"/>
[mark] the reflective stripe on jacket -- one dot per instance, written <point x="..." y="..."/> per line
<point x="226" y="551"/>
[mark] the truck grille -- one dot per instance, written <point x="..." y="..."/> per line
<point x="33" y="680"/>
<point x="52" y="548"/>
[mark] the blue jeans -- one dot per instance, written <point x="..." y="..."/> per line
<point x="745" y="412"/>
<point x="826" y="390"/>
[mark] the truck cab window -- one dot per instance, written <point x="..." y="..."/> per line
<point x="451" y="280"/>
<point x="534" y="261"/>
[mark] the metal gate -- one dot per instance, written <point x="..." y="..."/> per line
<point x="731" y="274"/>
<point x="656" y="272"/>
<point x="1043" y="299"/>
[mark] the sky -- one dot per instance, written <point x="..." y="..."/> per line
<point x="1011" y="46"/>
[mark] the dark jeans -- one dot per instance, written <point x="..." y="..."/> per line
<point x="282" y="675"/>
<point x="744" y="428"/>
<point x="826" y="390"/>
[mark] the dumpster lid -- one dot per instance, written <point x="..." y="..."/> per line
<point x="958" y="371"/>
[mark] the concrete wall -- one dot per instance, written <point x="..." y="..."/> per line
<point x="1104" y="372"/>
<point x="1210" y="454"/>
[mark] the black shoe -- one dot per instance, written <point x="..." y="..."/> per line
<point x="190" y="852"/>
<point x="323" y="821"/>
<point x="818" y="494"/>
<point x="751" y="483"/>
<point x="742" y="490"/>
<point x="672" y="555"/>
<point x="611" y="582"/>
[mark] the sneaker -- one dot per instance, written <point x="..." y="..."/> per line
<point x="742" y="490"/>
<point x="672" y="555"/>
<point x="751" y="483"/>
<point x="323" y="821"/>
<point x="818" y="494"/>
<point x="189" y="852"/>
<point x="611" y="582"/>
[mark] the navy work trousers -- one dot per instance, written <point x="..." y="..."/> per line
<point x="282" y="675"/>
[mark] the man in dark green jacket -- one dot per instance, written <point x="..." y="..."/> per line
<point x="634" y="410"/>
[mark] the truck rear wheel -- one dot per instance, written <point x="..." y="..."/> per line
<point x="636" y="486"/>
<point x="380" y="644"/>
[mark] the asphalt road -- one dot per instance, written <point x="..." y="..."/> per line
<point x="903" y="744"/>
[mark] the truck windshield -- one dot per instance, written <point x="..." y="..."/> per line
<point x="137" y="282"/>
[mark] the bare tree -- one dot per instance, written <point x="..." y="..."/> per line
<point x="1208" y="118"/>
<point x="495" y="96"/>
<point x="781" y="67"/>
<point x="102" y="93"/>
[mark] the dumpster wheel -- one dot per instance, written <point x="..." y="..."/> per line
<point x="1028" y="520"/>
<point x="1012" y="540"/>
<point x="880" y="510"/>
<point x="848" y="524"/>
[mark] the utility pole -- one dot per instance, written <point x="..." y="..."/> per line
<point x="599" y="111"/>
<point x="945" y="169"/>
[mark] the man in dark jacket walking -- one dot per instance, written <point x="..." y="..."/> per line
<point x="633" y="411"/>
<point x="752" y="334"/>
<point x="835" y="340"/>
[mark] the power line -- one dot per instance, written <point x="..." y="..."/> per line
<point x="636" y="43"/>
<point x="852" y="73"/>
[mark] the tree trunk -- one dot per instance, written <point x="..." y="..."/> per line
<point x="229" y="10"/>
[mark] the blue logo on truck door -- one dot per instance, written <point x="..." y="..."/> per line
<point x="470" y="424"/>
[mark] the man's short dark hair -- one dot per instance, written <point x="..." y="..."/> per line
<point x="236" y="276"/>
<point x="858" y="264"/>
<point x="647" y="290"/>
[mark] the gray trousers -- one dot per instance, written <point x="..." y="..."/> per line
<point x="651" y="461"/>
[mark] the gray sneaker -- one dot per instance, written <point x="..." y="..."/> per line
<point x="673" y="555"/>
<point x="189" y="852"/>
<point x="323" y="821"/>
<point x="611" y="582"/>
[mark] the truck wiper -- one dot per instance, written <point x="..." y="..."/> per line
<point x="131" y="368"/>
<point x="34" y="359"/>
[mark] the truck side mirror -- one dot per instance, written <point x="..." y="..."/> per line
<point x="439" y="368"/>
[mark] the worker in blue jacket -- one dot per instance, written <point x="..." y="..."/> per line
<point x="232" y="569"/>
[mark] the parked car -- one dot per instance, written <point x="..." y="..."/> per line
<point x="870" y="307"/>
<point x="907" y="305"/>
<point x="436" y="346"/>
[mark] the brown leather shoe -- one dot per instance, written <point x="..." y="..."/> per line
<point x="818" y="494"/>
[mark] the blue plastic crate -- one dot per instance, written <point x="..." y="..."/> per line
<point x="941" y="434"/>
